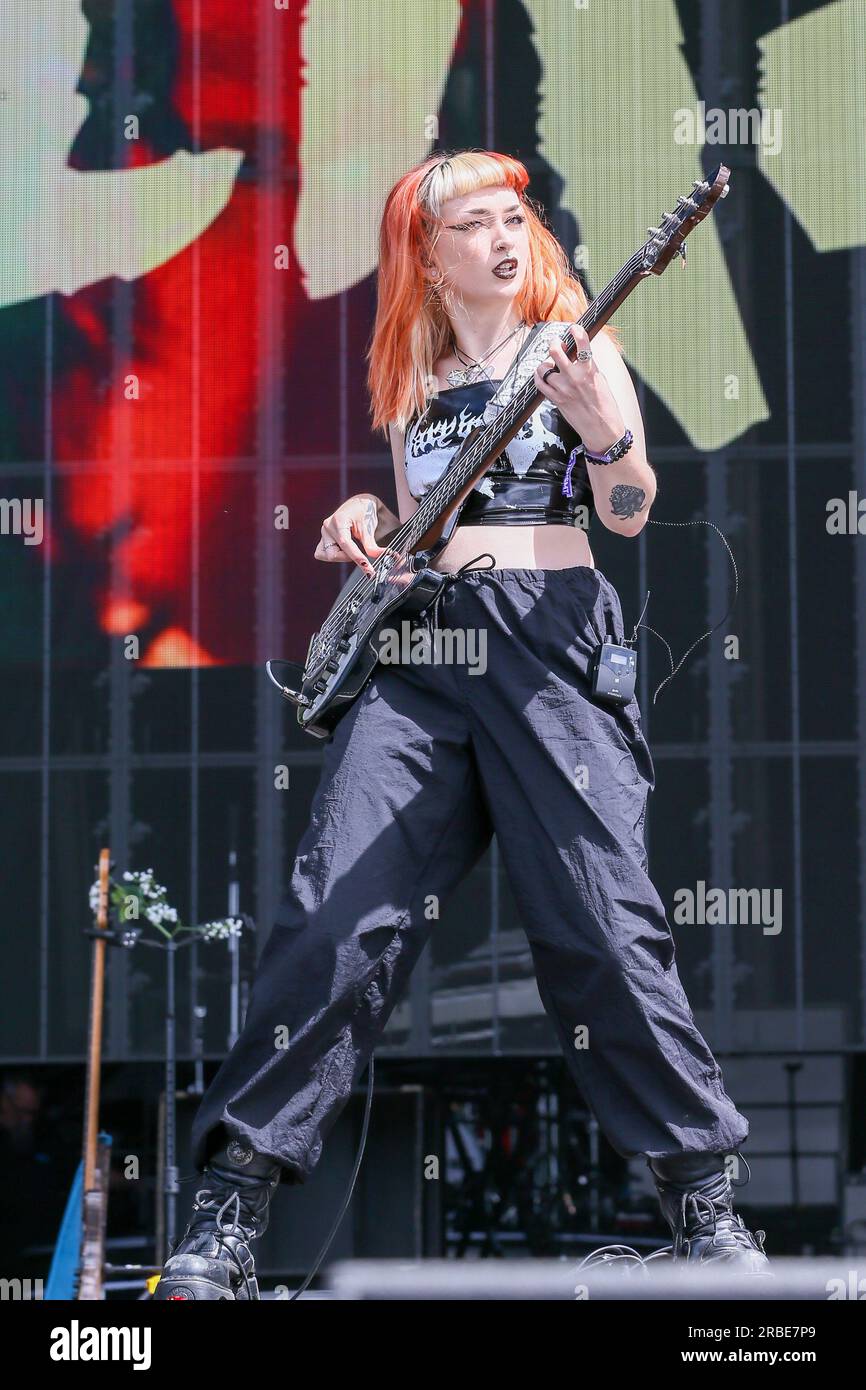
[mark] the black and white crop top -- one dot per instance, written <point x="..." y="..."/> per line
<point x="540" y="479"/>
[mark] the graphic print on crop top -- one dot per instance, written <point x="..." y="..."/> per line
<point x="543" y="443"/>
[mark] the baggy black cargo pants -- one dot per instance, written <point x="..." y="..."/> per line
<point x="428" y="762"/>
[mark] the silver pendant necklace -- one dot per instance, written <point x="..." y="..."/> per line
<point x="474" y="370"/>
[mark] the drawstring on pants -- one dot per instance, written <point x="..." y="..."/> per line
<point x="433" y="608"/>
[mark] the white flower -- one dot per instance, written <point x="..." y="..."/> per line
<point x="221" y="929"/>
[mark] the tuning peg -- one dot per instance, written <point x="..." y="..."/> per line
<point x="652" y="231"/>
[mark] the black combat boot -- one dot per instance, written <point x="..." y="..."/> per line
<point x="696" y="1196"/>
<point x="212" y="1260"/>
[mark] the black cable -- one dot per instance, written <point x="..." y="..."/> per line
<point x="348" y="1197"/>
<point x="704" y="635"/>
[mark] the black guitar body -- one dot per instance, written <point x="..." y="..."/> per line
<point x="328" y="687"/>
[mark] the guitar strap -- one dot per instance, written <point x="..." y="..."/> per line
<point x="534" y="350"/>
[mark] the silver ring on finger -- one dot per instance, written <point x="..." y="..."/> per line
<point x="584" y="355"/>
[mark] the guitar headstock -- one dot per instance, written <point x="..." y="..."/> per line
<point x="668" y="238"/>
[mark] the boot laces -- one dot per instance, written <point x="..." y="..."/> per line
<point x="238" y="1244"/>
<point x="707" y="1219"/>
<point x="700" y="1215"/>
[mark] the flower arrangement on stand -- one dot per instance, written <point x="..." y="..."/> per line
<point x="139" y="899"/>
<point x="134" y="903"/>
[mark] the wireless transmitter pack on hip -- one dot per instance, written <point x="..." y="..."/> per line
<point x="614" y="672"/>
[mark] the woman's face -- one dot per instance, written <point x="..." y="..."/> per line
<point x="479" y="231"/>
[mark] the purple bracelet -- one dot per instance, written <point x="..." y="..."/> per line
<point x="567" y="489"/>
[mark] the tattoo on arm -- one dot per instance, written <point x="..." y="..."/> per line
<point x="626" y="500"/>
<point x="371" y="519"/>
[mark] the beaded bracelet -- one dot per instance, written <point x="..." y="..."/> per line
<point x="615" y="452"/>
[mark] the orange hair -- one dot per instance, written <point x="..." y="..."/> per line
<point x="412" y="331"/>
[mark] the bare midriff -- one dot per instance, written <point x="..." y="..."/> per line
<point x="517" y="547"/>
